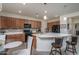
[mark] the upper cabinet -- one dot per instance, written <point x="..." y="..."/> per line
<point x="10" y="22"/>
<point x="20" y="23"/>
<point x="39" y="24"/>
<point x="13" y="23"/>
<point x="5" y="22"/>
<point x="50" y="24"/>
<point x="34" y="24"/>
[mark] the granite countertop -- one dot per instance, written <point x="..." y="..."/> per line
<point x="11" y="31"/>
<point x="47" y="35"/>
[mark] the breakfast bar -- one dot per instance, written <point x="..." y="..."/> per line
<point x="44" y="40"/>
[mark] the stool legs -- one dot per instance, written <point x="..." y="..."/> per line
<point x="51" y="50"/>
<point x="73" y="49"/>
<point x="60" y="52"/>
<point x="66" y="48"/>
<point x="56" y="51"/>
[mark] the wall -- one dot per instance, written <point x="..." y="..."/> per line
<point x="74" y="21"/>
<point x="44" y="26"/>
<point x="54" y="19"/>
<point x="73" y="30"/>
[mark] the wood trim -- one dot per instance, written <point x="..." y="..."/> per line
<point x="34" y="42"/>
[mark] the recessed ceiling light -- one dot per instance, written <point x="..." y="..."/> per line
<point x="24" y="3"/>
<point x="19" y="11"/>
<point x="65" y="18"/>
<point x="45" y="17"/>
<point x="45" y="11"/>
<point x="37" y="15"/>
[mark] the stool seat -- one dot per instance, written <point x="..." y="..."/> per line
<point x="56" y="46"/>
<point x="71" y="43"/>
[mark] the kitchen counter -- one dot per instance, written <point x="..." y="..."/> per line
<point x="44" y="40"/>
<point x="12" y="31"/>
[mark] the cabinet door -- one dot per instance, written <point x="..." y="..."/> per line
<point x="3" y="22"/>
<point x="36" y="24"/>
<point x="16" y="37"/>
<point x="32" y="23"/>
<point x="20" y="23"/>
<point x="26" y="21"/>
<point x="12" y="23"/>
<point x="0" y="22"/>
<point x="7" y="22"/>
<point x="39" y="25"/>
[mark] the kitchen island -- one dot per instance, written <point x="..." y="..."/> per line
<point x="44" y="40"/>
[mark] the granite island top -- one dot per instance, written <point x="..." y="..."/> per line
<point x="49" y="35"/>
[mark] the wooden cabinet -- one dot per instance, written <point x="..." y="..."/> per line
<point x="38" y="25"/>
<point x="20" y="23"/>
<point x="34" y="24"/>
<point x="7" y="22"/>
<point x="0" y="21"/>
<point x="16" y="37"/>
<point x="50" y="24"/>
<point x="4" y="23"/>
<point x="10" y="22"/>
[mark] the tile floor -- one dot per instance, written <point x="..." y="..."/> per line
<point x="34" y="52"/>
<point x="47" y="53"/>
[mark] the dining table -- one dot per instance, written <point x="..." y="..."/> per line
<point x="12" y="44"/>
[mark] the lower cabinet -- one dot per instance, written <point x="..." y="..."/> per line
<point x="16" y="37"/>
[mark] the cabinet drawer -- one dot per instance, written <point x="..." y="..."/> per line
<point x="17" y="37"/>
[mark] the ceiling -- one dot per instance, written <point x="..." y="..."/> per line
<point x="33" y="9"/>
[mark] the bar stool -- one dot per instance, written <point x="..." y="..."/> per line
<point x="56" y="46"/>
<point x="71" y="46"/>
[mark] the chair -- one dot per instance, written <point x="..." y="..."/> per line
<point x="71" y="45"/>
<point x="56" y="46"/>
<point x="28" y="50"/>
